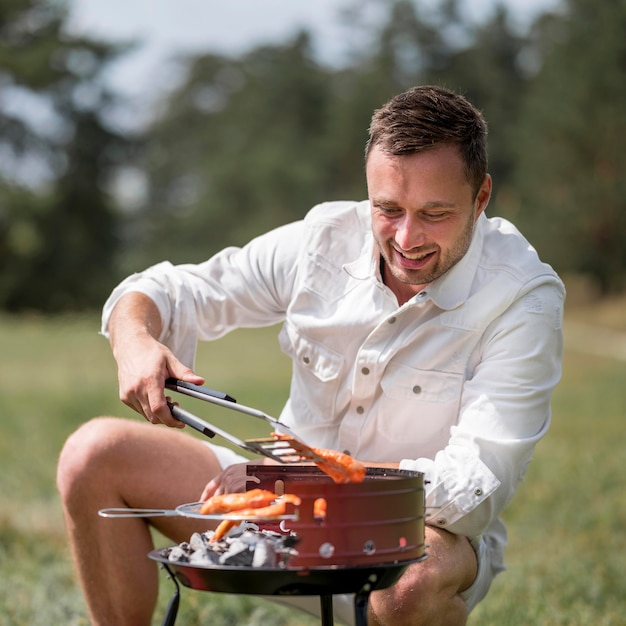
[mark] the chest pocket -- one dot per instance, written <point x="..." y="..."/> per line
<point x="319" y="360"/>
<point x="417" y="409"/>
<point x="316" y="375"/>
<point x="401" y="382"/>
<point x="323" y="278"/>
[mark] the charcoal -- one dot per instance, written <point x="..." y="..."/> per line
<point x="251" y="538"/>
<point x="244" y="546"/>
<point x="204" y="556"/>
<point x="178" y="554"/>
<point x="290" y="541"/>
<point x="264" y="554"/>
<point x="238" y="553"/>
<point x="198" y="541"/>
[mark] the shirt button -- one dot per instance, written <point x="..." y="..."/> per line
<point x="391" y="320"/>
<point x="442" y="521"/>
<point x="365" y="371"/>
<point x="306" y="359"/>
<point x="478" y="492"/>
<point x="360" y="410"/>
<point x="417" y="389"/>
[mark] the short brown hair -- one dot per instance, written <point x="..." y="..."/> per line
<point x="428" y="116"/>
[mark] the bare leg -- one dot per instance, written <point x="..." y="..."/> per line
<point x="428" y="592"/>
<point x="111" y="462"/>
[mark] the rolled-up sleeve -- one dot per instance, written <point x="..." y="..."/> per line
<point x="238" y="287"/>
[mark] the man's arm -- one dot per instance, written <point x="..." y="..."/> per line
<point x="504" y="412"/>
<point x="143" y="362"/>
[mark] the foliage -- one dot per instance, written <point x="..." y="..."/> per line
<point x="248" y="143"/>
<point x="237" y="151"/>
<point x="58" y="227"/>
<point x="571" y="157"/>
<point x="259" y="140"/>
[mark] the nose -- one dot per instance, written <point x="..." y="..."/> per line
<point x="409" y="232"/>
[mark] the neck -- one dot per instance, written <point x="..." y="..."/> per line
<point x="403" y="291"/>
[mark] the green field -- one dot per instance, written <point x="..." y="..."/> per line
<point x="567" y="554"/>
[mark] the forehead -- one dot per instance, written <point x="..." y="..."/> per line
<point x="448" y="152"/>
<point x="438" y="170"/>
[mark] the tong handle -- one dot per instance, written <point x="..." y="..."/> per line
<point x="203" y="427"/>
<point x="224" y="400"/>
<point x="196" y="391"/>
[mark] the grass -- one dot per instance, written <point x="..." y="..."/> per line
<point x="567" y="552"/>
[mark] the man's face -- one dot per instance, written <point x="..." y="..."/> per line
<point x="423" y="214"/>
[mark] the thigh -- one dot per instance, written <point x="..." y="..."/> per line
<point x="145" y="466"/>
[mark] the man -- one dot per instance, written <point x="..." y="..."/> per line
<point x="423" y="336"/>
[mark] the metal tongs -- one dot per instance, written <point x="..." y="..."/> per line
<point x="286" y="449"/>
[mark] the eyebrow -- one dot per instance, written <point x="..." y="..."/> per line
<point x="432" y="204"/>
<point x="438" y="204"/>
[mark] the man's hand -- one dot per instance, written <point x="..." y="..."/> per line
<point x="142" y="373"/>
<point x="143" y="362"/>
<point x="232" y="480"/>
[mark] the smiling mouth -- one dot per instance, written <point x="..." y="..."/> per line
<point x="413" y="261"/>
<point x="415" y="257"/>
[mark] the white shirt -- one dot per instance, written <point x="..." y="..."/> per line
<point x="456" y="383"/>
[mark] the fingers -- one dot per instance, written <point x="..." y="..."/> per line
<point x="159" y="402"/>
<point x="188" y="375"/>
<point x="146" y="396"/>
<point x="145" y="393"/>
<point x="210" y="490"/>
<point x="232" y="480"/>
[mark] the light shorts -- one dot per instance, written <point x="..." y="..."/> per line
<point x="225" y="456"/>
<point x="484" y="577"/>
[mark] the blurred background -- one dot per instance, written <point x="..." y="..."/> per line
<point x="132" y="131"/>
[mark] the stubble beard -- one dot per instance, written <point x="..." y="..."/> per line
<point x="441" y="265"/>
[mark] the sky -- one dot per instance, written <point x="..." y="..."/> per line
<point x="166" y="27"/>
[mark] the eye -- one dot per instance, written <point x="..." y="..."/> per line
<point x="436" y="215"/>
<point x="388" y="210"/>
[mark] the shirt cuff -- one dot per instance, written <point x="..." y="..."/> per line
<point x="454" y="491"/>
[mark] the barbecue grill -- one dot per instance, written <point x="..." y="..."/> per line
<point x="370" y="533"/>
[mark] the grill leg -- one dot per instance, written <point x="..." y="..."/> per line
<point x="326" y="610"/>
<point x="361" y="600"/>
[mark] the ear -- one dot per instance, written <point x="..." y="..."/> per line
<point x="483" y="196"/>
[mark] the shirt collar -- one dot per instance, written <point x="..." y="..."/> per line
<point x="447" y="292"/>
<point x="367" y="264"/>
<point x="454" y="287"/>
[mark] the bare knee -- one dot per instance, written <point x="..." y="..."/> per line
<point x="417" y="601"/>
<point x="85" y="454"/>
<point x="428" y="593"/>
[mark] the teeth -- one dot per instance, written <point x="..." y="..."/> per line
<point x="414" y="257"/>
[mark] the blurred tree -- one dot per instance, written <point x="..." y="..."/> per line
<point x="237" y="151"/>
<point x="249" y="144"/>
<point x="486" y="67"/>
<point x="58" y="225"/>
<point x="571" y="157"/>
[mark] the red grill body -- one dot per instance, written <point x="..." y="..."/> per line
<point x="379" y="520"/>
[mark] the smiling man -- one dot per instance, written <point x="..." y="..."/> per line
<point x="423" y="214"/>
<point x="423" y="334"/>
